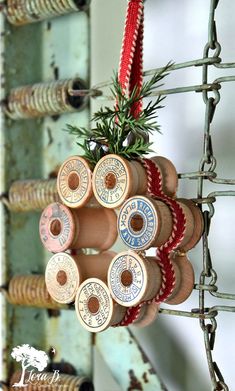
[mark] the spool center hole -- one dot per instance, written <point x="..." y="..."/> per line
<point x="126" y="278"/>
<point x="73" y="181"/>
<point x="56" y="227"/>
<point x="93" y="305"/>
<point x="110" y="181"/>
<point x="137" y="222"/>
<point x="61" y="277"/>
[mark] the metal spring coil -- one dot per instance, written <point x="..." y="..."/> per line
<point x="20" y="12"/>
<point x="64" y="383"/>
<point x="28" y="195"/>
<point x="30" y="290"/>
<point x="43" y="99"/>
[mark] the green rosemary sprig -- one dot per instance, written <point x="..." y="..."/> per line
<point x="116" y="130"/>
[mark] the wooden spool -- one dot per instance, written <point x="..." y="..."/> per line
<point x="30" y="290"/>
<point x="116" y="179"/>
<point x="169" y="175"/>
<point x="51" y="382"/>
<point x="133" y="279"/>
<point x="65" y="273"/>
<point x="62" y="228"/>
<point x="186" y="281"/>
<point x="145" y="223"/>
<point x="198" y="224"/>
<point x="74" y="182"/>
<point x="148" y="315"/>
<point x="95" y="308"/>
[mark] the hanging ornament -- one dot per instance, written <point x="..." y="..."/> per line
<point x="129" y="287"/>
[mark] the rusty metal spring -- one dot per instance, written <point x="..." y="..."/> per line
<point x="43" y="99"/>
<point x="64" y="382"/>
<point x="20" y="12"/>
<point x="31" y="194"/>
<point x="30" y="290"/>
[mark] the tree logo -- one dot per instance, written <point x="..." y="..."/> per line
<point x="29" y="357"/>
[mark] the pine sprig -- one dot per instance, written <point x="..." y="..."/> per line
<point x="116" y="130"/>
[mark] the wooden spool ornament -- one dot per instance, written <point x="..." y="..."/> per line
<point x="145" y="223"/>
<point x="169" y="175"/>
<point x="95" y="307"/>
<point x="62" y="228"/>
<point x="65" y="273"/>
<point x="198" y="224"/>
<point x="74" y="182"/>
<point x="116" y="179"/>
<point x="148" y="315"/>
<point x="133" y="279"/>
<point x="187" y="279"/>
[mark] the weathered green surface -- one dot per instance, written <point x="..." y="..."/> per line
<point x="32" y="149"/>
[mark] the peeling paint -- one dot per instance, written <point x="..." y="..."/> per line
<point x="145" y="377"/>
<point x="135" y="384"/>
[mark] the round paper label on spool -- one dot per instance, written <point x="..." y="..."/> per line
<point x="111" y="181"/>
<point x="138" y="223"/>
<point x="62" y="278"/>
<point x="127" y="278"/>
<point x="56" y="227"/>
<point x="74" y="182"/>
<point x="94" y="305"/>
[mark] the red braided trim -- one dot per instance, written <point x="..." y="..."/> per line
<point x="136" y="78"/>
<point x="163" y="253"/>
<point x="131" y="59"/>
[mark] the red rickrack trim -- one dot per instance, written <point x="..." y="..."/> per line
<point x="163" y="252"/>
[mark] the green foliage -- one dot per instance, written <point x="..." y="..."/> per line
<point x="116" y="130"/>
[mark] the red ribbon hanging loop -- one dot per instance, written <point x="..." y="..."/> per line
<point x="131" y="60"/>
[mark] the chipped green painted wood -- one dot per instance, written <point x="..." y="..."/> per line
<point x="127" y="361"/>
<point x="33" y="149"/>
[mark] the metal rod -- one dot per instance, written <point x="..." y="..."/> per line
<point x="188" y="314"/>
<point x="173" y="67"/>
<point x="226" y="296"/>
<point x="177" y="90"/>
<point x="224" y="65"/>
<point x="226" y="193"/>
